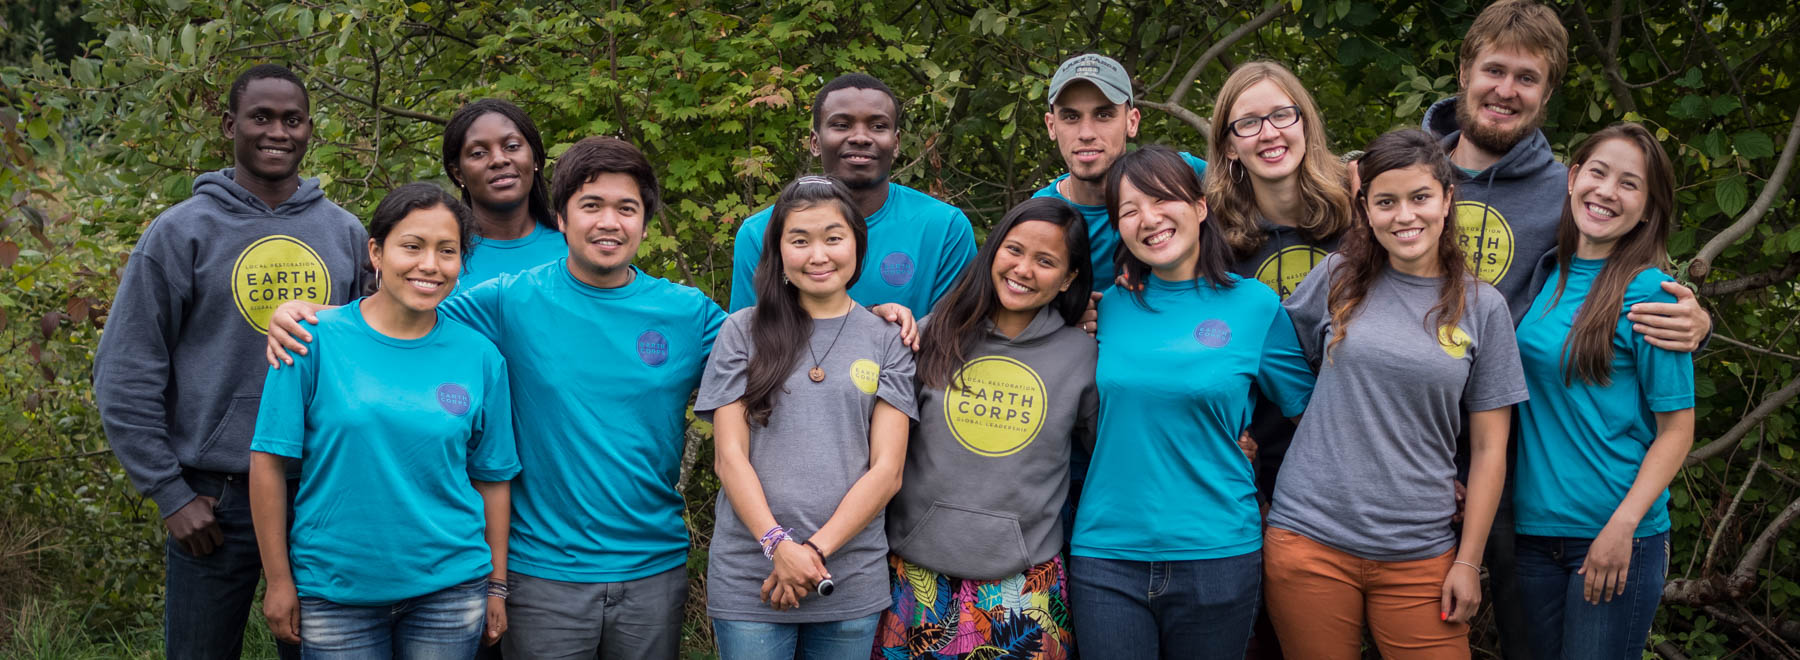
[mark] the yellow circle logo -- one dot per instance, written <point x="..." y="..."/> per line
<point x="865" y="373"/>
<point x="999" y="407"/>
<point x="1455" y="342"/>
<point x="275" y="270"/>
<point x="1284" y="270"/>
<point x="1487" y="240"/>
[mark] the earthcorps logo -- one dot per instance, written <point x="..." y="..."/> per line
<point x="1487" y="240"/>
<point x="1213" y="333"/>
<point x="999" y="408"/>
<point x="866" y="374"/>
<point x="453" y="398"/>
<point x="1455" y="342"/>
<point x="653" y="348"/>
<point x="1284" y="270"/>
<point x="896" y="269"/>
<point x="275" y="270"/>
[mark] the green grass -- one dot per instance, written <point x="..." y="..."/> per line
<point x="53" y="628"/>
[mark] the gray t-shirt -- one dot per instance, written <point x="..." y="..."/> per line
<point x="1372" y="466"/>
<point x="815" y="446"/>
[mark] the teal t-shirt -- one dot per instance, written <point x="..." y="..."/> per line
<point x="388" y="433"/>
<point x="1168" y="481"/>
<point x="1580" y="445"/>
<point x="1103" y="237"/>
<point x="490" y="258"/>
<point x="918" y="246"/>
<point x="600" y="382"/>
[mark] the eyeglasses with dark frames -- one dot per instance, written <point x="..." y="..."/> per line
<point x="1282" y="117"/>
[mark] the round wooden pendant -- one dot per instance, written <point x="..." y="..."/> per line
<point x="816" y="374"/>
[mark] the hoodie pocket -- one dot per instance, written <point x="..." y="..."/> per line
<point x="966" y="542"/>
<point x="227" y="448"/>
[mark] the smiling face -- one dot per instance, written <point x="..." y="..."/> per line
<point x="270" y="129"/>
<point x="1607" y="194"/>
<point x="818" y="251"/>
<point x="1272" y="154"/>
<point x="420" y="259"/>
<point x="496" y="164"/>
<point x="1406" y="210"/>
<point x="856" y="137"/>
<point x="1090" y="131"/>
<point x="1162" y="233"/>
<point x="603" y="225"/>
<point x="1032" y="266"/>
<point x="1504" y="91"/>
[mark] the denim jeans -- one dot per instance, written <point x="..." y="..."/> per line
<point x="1137" y="610"/>
<point x="206" y="600"/>
<point x="441" y="625"/>
<point x="827" y="640"/>
<point x="1563" y="624"/>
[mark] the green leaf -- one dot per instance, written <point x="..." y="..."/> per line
<point x="1753" y="144"/>
<point x="421" y="7"/>
<point x="1732" y="195"/>
<point x="1409" y="105"/>
<point x="306" y="23"/>
<point x="1723" y="105"/>
<point x="1713" y="145"/>
<point x="1689" y="107"/>
<point x="188" y="34"/>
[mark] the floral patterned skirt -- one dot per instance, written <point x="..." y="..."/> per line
<point x="937" y="616"/>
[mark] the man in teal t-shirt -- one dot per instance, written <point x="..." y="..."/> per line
<point x="918" y="245"/>
<point x="1092" y="119"/>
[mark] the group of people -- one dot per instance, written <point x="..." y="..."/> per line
<point x="1179" y="407"/>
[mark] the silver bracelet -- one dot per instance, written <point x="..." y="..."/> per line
<point x="1459" y="561"/>
<point x="497" y="588"/>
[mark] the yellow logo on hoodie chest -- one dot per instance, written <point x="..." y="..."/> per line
<point x="275" y="270"/>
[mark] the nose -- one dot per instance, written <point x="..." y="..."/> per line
<point x="1086" y="130"/>
<point x="1507" y="87"/>
<point x="1266" y="128"/>
<point x="1607" y="188"/>
<point x="607" y="219"/>
<point x="429" y="264"/>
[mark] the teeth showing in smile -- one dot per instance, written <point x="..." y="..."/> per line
<point x="1016" y="287"/>
<point x="1159" y="237"/>
<point x="1602" y="211"/>
<point x="1409" y="233"/>
<point x="609" y="242"/>
<point x="1273" y="153"/>
<point x="426" y="285"/>
<point x="1499" y="110"/>
<point x="272" y="150"/>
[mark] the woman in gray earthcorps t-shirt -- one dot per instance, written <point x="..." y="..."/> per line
<point x="810" y="396"/>
<point x="1405" y="341"/>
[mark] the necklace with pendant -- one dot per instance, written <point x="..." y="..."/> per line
<point x="817" y="374"/>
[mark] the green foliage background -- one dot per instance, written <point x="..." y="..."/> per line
<point x="110" y="108"/>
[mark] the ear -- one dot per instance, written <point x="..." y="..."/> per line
<point x="560" y="228"/>
<point x="1050" y="123"/>
<point x="1574" y="168"/>
<point x="228" y="125"/>
<point x="1068" y="279"/>
<point x="456" y="175"/>
<point x="375" y="255"/>
<point x="812" y="144"/>
<point x="1132" y="117"/>
<point x="1200" y="208"/>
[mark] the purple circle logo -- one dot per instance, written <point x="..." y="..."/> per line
<point x="453" y="398"/>
<point x="653" y="348"/>
<point x="1213" y="333"/>
<point x="896" y="269"/>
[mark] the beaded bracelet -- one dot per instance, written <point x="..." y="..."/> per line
<point x="497" y="589"/>
<point x="773" y="538"/>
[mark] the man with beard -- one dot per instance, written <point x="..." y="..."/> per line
<point x="176" y="376"/>
<point x="917" y="244"/>
<point x="1510" y="202"/>
<point x="1092" y="120"/>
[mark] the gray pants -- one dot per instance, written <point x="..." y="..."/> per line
<point x="555" y="620"/>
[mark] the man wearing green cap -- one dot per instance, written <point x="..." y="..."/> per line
<point x="1092" y="119"/>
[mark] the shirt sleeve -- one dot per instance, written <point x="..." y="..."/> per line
<point x="1309" y="309"/>
<point x="1496" y="378"/>
<point x="746" y="250"/>
<point x="958" y="251"/>
<point x="895" y="383"/>
<point x="131" y="375"/>
<point x="1283" y="375"/>
<point x="1665" y="377"/>
<point x="479" y="307"/>
<point x="281" y="416"/>
<point x="724" y="379"/>
<point x="1087" y="418"/>
<point x="494" y="455"/>
<point x="712" y="318"/>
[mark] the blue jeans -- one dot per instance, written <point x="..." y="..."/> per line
<point x="1562" y="624"/>
<point x="826" y="640"/>
<point x="1136" y="610"/>
<point x="206" y="599"/>
<point x="441" y="625"/>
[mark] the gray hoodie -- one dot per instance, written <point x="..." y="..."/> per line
<point x="987" y="468"/>
<point x="179" y="372"/>
<point x="1507" y="213"/>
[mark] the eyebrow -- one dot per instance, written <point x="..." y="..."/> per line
<point x="598" y="198"/>
<point x="800" y="230"/>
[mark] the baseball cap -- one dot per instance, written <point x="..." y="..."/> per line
<point x="1105" y="72"/>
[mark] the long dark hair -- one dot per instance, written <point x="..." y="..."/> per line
<point x="1161" y="173"/>
<point x="456" y="134"/>
<point x="1587" y="353"/>
<point x="781" y="328"/>
<point x="401" y="202"/>
<point x="956" y="321"/>
<point x="1364" y="257"/>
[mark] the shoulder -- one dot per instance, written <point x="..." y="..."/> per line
<point x="676" y="291"/>
<point x="1646" y="286"/>
<point x="331" y="212"/>
<point x="1253" y="291"/>
<point x="338" y="319"/>
<point x="1076" y="341"/>
<point x="753" y="227"/>
<point x="918" y="203"/>
<point x="1196" y="162"/>
<point x="1485" y="301"/>
<point x="1049" y="190"/>
<point x="466" y="338"/>
<point x="739" y="321"/>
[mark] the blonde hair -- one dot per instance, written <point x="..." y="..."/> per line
<point x="1324" y="188"/>
<point x="1522" y="25"/>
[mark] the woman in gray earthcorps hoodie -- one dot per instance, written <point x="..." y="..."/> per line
<point x="1006" y="383"/>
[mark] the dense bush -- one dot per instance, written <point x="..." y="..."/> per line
<point x="107" y="125"/>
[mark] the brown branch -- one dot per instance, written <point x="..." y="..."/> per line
<point x="398" y="112"/>
<point x="1749" y="282"/>
<point x="1730" y="440"/>
<point x="1724" y="522"/>
<point x="1186" y="116"/>
<point x="1702" y="263"/>
<point x="1755" y="349"/>
<point x="1745" y="574"/>
<point x="1187" y="81"/>
<point x="1609" y="53"/>
<point x="64" y="457"/>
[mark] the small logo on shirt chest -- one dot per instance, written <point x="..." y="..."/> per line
<point x="653" y="348"/>
<point x="453" y="398"/>
<point x="896" y="269"/>
<point x="1213" y="333"/>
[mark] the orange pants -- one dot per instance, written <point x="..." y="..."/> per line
<point x="1319" y="598"/>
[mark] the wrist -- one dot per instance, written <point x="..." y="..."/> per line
<point x="1624" y="520"/>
